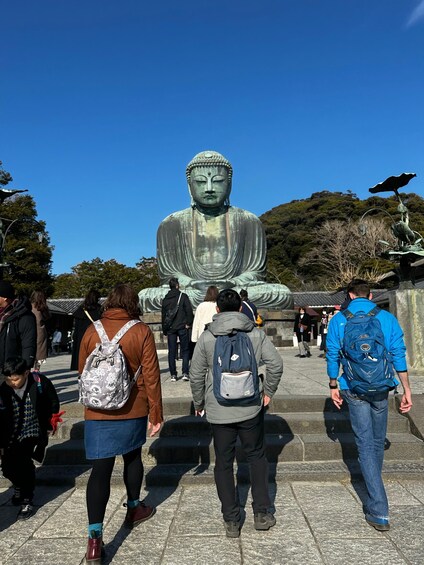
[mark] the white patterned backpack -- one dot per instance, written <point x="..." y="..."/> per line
<point x="105" y="383"/>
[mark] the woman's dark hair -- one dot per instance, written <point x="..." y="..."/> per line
<point x="125" y="297"/>
<point x="243" y="294"/>
<point x="91" y="299"/>
<point x="15" y="366"/>
<point x="211" y="294"/>
<point x="39" y="302"/>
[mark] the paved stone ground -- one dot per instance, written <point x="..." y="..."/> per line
<point x="317" y="522"/>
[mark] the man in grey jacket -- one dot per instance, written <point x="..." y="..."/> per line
<point x="230" y="422"/>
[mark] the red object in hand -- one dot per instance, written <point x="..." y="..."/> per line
<point x="55" y="420"/>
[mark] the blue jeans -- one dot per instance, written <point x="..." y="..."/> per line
<point x="369" y="424"/>
<point x="184" y="348"/>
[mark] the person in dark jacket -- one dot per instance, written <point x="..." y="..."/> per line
<point x="89" y="311"/>
<point x="29" y="409"/>
<point x="18" y="329"/>
<point x="302" y="329"/>
<point x="177" y="327"/>
<point x="248" y="307"/>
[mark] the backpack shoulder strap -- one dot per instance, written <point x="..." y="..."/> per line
<point x="374" y="311"/>
<point x="347" y="314"/>
<point x="36" y="377"/>
<point x="124" y="330"/>
<point x="101" y="331"/>
<point x="250" y="308"/>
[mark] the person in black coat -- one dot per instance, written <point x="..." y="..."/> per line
<point x="177" y="319"/>
<point x="87" y="313"/>
<point x="29" y="410"/>
<point x="302" y="329"/>
<point x="18" y="328"/>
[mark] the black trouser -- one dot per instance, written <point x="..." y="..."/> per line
<point x="17" y="466"/>
<point x="251" y="434"/>
<point x="98" y="486"/>
<point x="185" y="350"/>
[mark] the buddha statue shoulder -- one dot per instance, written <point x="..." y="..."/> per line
<point x="213" y="243"/>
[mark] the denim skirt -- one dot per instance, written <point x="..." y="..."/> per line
<point x="108" y="438"/>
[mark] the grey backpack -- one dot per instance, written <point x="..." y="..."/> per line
<point x="105" y="383"/>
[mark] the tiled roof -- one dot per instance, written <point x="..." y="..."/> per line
<point x="66" y="305"/>
<point x="323" y="299"/>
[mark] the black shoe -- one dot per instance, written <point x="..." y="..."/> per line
<point x="185" y="377"/>
<point x="302" y="356"/>
<point x="174" y="378"/>
<point x="26" y="511"/>
<point x="309" y="354"/>
<point x="17" y="497"/>
<point x="232" y="529"/>
<point x="264" y="521"/>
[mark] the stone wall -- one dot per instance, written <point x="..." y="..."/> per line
<point x="408" y="307"/>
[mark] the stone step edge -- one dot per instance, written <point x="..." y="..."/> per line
<point x="279" y="403"/>
<point x="172" y="475"/>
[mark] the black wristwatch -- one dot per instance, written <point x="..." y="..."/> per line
<point x="333" y="386"/>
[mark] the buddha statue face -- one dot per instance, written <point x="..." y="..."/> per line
<point x="210" y="186"/>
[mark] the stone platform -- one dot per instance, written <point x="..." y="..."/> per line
<point x="278" y="325"/>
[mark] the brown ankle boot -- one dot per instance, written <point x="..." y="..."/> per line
<point x="95" y="550"/>
<point x="138" y="514"/>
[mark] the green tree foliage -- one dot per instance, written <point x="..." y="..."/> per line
<point x="292" y="230"/>
<point x="29" y="268"/>
<point x="5" y="177"/>
<point x="103" y="276"/>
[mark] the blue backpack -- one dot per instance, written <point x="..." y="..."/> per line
<point x="235" y="371"/>
<point x="365" y="359"/>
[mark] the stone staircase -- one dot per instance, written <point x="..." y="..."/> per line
<point x="307" y="438"/>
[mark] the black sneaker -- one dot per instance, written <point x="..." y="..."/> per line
<point x="26" y="511"/>
<point x="309" y="354"/>
<point x="232" y="529"/>
<point x="264" y="521"/>
<point x="185" y="377"/>
<point x="174" y="378"/>
<point x="17" y="497"/>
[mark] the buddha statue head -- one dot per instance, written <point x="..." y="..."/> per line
<point x="209" y="176"/>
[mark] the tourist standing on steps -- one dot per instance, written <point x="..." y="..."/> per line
<point x="302" y="329"/>
<point x="29" y="411"/>
<point x="247" y="307"/>
<point x="56" y="341"/>
<point x="204" y="313"/>
<point x="84" y="315"/>
<point x="368" y="410"/>
<point x="177" y="318"/>
<point x="323" y="330"/>
<point x="18" y="330"/>
<point x="42" y="315"/>
<point x="109" y="433"/>
<point x="232" y="422"/>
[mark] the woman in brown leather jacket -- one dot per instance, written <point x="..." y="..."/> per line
<point x="121" y="432"/>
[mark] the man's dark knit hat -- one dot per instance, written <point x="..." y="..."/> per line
<point x="6" y="290"/>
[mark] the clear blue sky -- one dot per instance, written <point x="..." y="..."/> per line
<point x="103" y="103"/>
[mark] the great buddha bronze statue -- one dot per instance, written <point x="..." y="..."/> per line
<point x="213" y="243"/>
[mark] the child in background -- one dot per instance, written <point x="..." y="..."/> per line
<point x="29" y="410"/>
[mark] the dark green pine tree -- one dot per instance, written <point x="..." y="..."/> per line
<point x="25" y="243"/>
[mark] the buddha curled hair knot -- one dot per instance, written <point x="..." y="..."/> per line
<point x="209" y="158"/>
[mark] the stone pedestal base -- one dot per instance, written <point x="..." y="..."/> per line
<point x="408" y="307"/>
<point x="278" y="326"/>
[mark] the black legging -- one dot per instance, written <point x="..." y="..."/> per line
<point x="98" y="486"/>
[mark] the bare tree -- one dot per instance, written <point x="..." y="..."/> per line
<point x="346" y="248"/>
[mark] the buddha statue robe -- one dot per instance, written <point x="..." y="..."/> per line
<point x="227" y="250"/>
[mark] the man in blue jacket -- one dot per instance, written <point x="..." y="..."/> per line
<point x="368" y="412"/>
